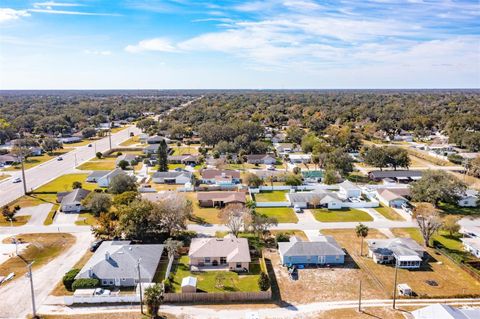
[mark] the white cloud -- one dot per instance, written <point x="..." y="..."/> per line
<point x="96" y="52"/>
<point x="7" y="14"/>
<point x="51" y="11"/>
<point x="157" y="44"/>
<point x="56" y="4"/>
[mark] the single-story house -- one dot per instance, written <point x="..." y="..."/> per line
<point x="228" y="253"/>
<point x="71" y="139"/>
<point x="278" y="138"/>
<point x="115" y="263"/>
<point x="95" y="175"/>
<point x="71" y="202"/>
<point x="469" y="199"/>
<point x="220" y="177"/>
<point x="220" y="199"/>
<point x="151" y="149"/>
<point x="470" y="231"/>
<point x="142" y="137"/>
<point x="472" y="245"/>
<point x="403" y="176"/>
<point x="186" y="159"/>
<point x="9" y="159"/>
<point x="180" y="178"/>
<point x="286" y="148"/>
<point x="189" y="284"/>
<point x="300" y="158"/>
<point x="261" y="159"/>
<point x="103" y="178"/>
<point x="392" y="197"/>
<point x="36" y="151"/>
<point x="406" y="252"/>
<point x="326" y="199"/>
<point x="348" y="189"/>
<point x="440" y="311"/>
<point x="312" y="176"/>
<point x="156" y="139"/>
<point x="131" y="159"/>
<point x="324" y="250"/>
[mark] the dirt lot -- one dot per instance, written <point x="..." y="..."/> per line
<point x="323" y="284"/>
<point x="368" y="313"/>
<point x="450" y="279"/>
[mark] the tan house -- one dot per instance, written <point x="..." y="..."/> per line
<point x="228" y="253"/>
<point x="220" y="199"/>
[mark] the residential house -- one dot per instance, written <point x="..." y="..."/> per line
<point x="470" y="231"/>
<point x="326" y="199"/>
<point x="220" y="199"/>
<point x="115" y="263"/>
<point x="441" y="311"/>
<point x="406" y="252"/>
<point x="156" y="139"/>
<point x="393" y="197"/>
<point x="472" y="245"/>
<point x="261" y="159"/>
<point x="228" y="253"/>
<point x="180" y="178"/>
<point x="300" y="158"/>
<point x="131" y="159"/>
<point x="95" y="176"/>
<point x="469" y="199"/>
<point x="312" y="176"/>
<point x="71" y="202"/>
<point x="185" y="159"/>
<point x="403" y="176"/>
<point x="142" y="137"/>
<point x="103" y="178"/>
<point x="286" y="148"/>
<point x="36" y="151"/>
<point x="220" y="177"/>
<point x="324" y="250"/>
<point x="348" y="189"/>
<point x="278" y="138"/>
<point x="9" y="159"/>
<point x="151" y="149"/>
<point x="70" y="140"/>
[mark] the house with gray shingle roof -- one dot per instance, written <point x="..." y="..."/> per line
<point x="324" y="250"/>
<point x="180" y="178"/>
<point x="115" y="263"/>
<point x="326" y="199"/>
<point x="405" y="252"/>
<point x="71" y="202"/>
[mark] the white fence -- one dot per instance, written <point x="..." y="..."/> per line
<point x="169" y="267"/>
<point x="371" y="204"/>
<point x="273" y="204"/>
<point x="70" y="300"/>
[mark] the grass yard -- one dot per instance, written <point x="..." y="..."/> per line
<point x="271" y="196"/>
<point x="457" y="210"/>
<point x="182" y="150"/>
<point x="207" y="280"/>
<point x="4" y="176"/>
<point x="451" y="280"/>
<point x="37" y="160"/>
<point x="49" y="219"/>
<point x="165" y="187"/>
<point x="18" y="221"/>
<point x="131" y="141"/>
<point x="42" y="249"/>
<point x="108" y="315"/>
<point x="86" y="219"/>
<point x="291" y="232"/>
<point x="388" y="213"/>
<point x="282" y="214"/>
<point x="34" y="200"/>
<point x="64" y="183"/>
<point x="202" y="215"/>
<point x="341" y="215"/>
<point x="412" y="232"/>
<point x="95" y="164"/>
<point x="59" y="289"/>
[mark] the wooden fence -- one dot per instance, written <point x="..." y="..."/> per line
<point x="217" y="297"/>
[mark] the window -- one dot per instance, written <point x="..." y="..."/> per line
<point x="337" y="257"/>
<point x="207" y="259"/>
<point x="223" y="260"/>
<point x="124" y="279"/>
<point x="239" y="265"/>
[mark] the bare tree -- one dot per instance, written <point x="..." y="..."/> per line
<point x="172" y="247"/>
<point x="428" y="220"/>
<point x="315" y="201"/>
<point x="235" y="217"/>
<point x="171" y="213"/>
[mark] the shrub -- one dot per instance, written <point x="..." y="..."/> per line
<point x="264" y="282"/>
<point x="99" y="155"/>
<point x="69" y="278"/>
<point x="168" y="285"/>
<point x="85" y="283"/>
<point x="17" y="207"/>
<point x="119" y="153"/>
<point x="282" y="237"/>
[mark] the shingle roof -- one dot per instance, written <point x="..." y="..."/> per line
<point x="389" y="195"/>
<point x="307" y="197"/>
<point x="118" y="259"/>
<point x="395" y="174"/>
<point x="396" y="246"/>
<point x="234" y="249"/>
<point x="322" y="246"/>
<point x="440" y="311"/>
<point x="226" y="197"/>
<point x="74" y="196"/>
<point x="164" y="175"/>
<point x="97" y="174"/>
<point x="212" y="173"/>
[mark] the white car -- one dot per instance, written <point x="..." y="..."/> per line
<point x="59" y="158"/>
<point x="271" y="167"/>
<point x="16" y="180"/>
<point x="101" y="292"/>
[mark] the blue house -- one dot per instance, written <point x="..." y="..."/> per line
<point x="324" y="250"/>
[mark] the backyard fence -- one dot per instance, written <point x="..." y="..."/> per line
<point x="169" y="266"/>
<point x="218" y="297"/>
<point x="273" y="204"/>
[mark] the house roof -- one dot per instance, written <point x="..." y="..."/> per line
<point x="9" y="158"/>
<point x="126" y="157"/>
<point x="472" y="242"/>
<point x="399" y="191"/>
<point x="213" y="173"/>
<point x="299" y="156"/>
<point x="185" y="157"/>
<point x="440" y="311"/>
<point x="307" y="197"/>
<point x="258" y="157"/>
<point x="189" y="281"/>
<point x="97" y="174"/>
<point x="234" y="249"/>
<point x="389" y="195"/>
<point x="347" y="185"/>
<point x="74" y="196"/>
<point x="164" y="175"/>
<point x="113" y="173"/>
<point x="118" y="259"/>
<point x="312" y="174"/>
<point x="395" y="174"/>
<point x="399" y="247"/>
<point x="226" y="197"/>
<point x="322" y="246"/>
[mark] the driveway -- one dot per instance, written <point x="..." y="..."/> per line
<point x="37" y="213"/>
<point x="65" y="219"/>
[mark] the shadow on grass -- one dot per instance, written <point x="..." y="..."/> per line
<point x="199" y="220"/>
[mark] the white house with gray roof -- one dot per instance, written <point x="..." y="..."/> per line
<point x="115" y="263"/>
<point x="440" y="311"/>
<point x="326" y="199"/>
<point x="71" y="202"/>
<point x="181" y="178"/>
<point x="405" y="252"/>
<point x="324" y="250"/>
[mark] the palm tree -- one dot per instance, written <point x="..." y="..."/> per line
<point x="362" y="231"/>
<point x="153" y="299"/>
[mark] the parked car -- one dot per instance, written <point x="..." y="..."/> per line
<point x="271" y="167"/>
<point x="94" y="246"/>
<point x="297" y="210"/>
<point x="17" y="180"/>
<point x="102" y="292"/>
<point x="89" y="145"/>
<point x="59" y="158"/>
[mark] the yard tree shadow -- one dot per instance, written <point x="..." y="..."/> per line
<point x="198" y="220"/>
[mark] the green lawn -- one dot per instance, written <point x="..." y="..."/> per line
<point x="37" y="160"/>
<point x="388" y="213"/>
<point x="64" y="183"/>
<point x="49" y="219"/>
<point x="131" y="141"/>
<point x="457" y="210"/>
<point x="271" y="196"/>
<point x="411" y="232"/>
<point x="451" y="242"/>
<point x="343" y="215"/>
<point x="104" y="164"/>
<point x="182" y="150"/>
<point x="282" y="214"/>
<point x="202" y="215"/>
<point x="4" y="176"/>
<point x="206" y="281"/>
<point x="86" y="219"/>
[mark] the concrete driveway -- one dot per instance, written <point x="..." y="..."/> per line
<point x="65" y="219"/>
<point x="37" y="213"/>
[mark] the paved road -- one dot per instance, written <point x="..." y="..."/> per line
<point x="41" y="174"/>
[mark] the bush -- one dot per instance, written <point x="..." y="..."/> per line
<point x="85" y="283"/>
<point x="282" y="237"/>
<point x="119" y="153"/>
<point x="168" y="285"/>
<point x="69" y="278"/>
<point x="17" y="207"/>
<point x="455" y="158"/>
<point x="264" y="282"/>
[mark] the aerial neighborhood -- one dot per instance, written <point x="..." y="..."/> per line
<point x="162" y="202"/>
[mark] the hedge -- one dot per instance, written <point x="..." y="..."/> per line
<point x="85" y="283"/>
<point x="69" y="278"/>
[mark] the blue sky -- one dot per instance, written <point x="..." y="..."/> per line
<point x="103" y="44"/>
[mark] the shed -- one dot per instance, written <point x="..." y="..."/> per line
<point x="189" y="284"/>
<point x="404" y="290"/>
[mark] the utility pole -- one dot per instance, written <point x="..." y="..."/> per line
<point x="23" y="176"/>
<point x="395" y="284"/>
<point x="110" y="134"/>
<point x="140" y="286"/>
<point x="360" y="296"/>
<point x="14" y="237"/>
<point x="29" y="275"/>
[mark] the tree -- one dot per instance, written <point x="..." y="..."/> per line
<point x="89" y="132"/>
<point x="172" y="247"/>
<point x="330" y="177"/>
<point x="8" y="214"/>
<point x="76" y="185"/>
<point x="450" y="224"/>
<point x="145" y="124"/>
<point x="122" y="183"/>
<point x="428" y="220"/>
<point x="50" y="144"/>
<point x="97" y="203"/>
<point x="162" y="153"/>
<point x="123" y="164"/>
<point x="474" y="167"/>
<point x="106" y="226"/>
<point x="263" y="282"/>
<point x="253" y="180"/>
<point x="338" y="160"/>
<point x="69" y="278"/>
<point x="125" y="198"/>
<point x="153" y="299"/>
<point x="437" y="186"/>
<point x="172" y="213"/>
<point x="99" y="155"/>
<point x="362" y="231"/>
<point x="234" y="217"/>
<point x="293" y="180"/>
<point x="261" y="223"/>
<point x="295" y="134"/>
<point x="309" y="141"/>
